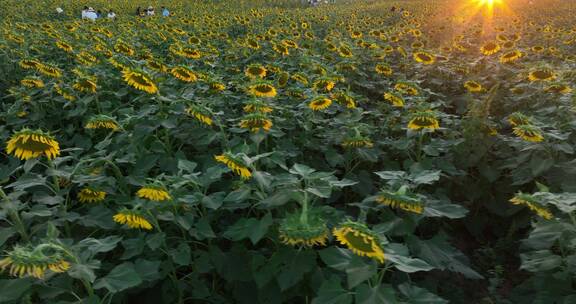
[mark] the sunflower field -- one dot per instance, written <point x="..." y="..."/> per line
<point x="272" y="151"/>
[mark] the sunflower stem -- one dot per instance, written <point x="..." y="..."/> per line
<point x="15" y="217"/>
<point x="304" y="214"/>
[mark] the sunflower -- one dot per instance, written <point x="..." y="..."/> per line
<point x="123" y="48"/>
<point x="424" y="57"/>
<point x="102" y="122"/>
<point x="255" y="71"/>
<point x="360" y="240"/>
<point x="344" y="51"/>
<point x="406" y="88"/>
<point x="324" y="84"/>
<point x="281" y="49"/>
<point x="49" y="70"/>
<point x="395" y="99"/>
<point x="532" y="203"/>
<point x="490" y="48"/>
<point x="32" y="82"/>
<point x="64" y="46"/>
<point x="558" y="89"/>
<point x="518" y="119"/>
<point x="289" y="43"/>
<point x="537" y="49"/>
<point x="139" y="81"/>
<point x="154" y="193"/>
<point x="528" y="133"/>
<point x="357" y="142"/>
<point x="423" y="120"/>
<point x="253" y="44"/>
<point x="26" y="144"/>
<point x="133" y="219"/>
<point x="256" y="121"/>
<point x="301" y="78"/>
<point x="88" y="195"/>
<point x="217" y="86"/>
<point x="307" y="231"/>
<point x="233" y="163"/>
<point x="262" y="90"/>
<point x="283" y="79"/>
<point x="473" y="86"/>
<point x="184" y="74"/>
<point x="34" y="261"/>
<point x="541" y="75"/>
<point x="319" y="103"/>
<point x="156" y="66"/>
<point x="511" y="56"/>
<point x="86" y="58"/>
<point x="345" y="100"/>
<point x="383" y="70"/>
<point x="29" y="64"/>
<point x="190" y="53"/>
<point x="256" y="106"/>
<point x="400" y="200"/>
<point x="199" y="114"/>
<point x="60" y="91"/>
<point x="85" y="85"/>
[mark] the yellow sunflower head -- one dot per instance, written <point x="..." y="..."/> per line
<point x="511" y="56"/>
<point x="234" y="163"/>
<point x="27" y="144"/>
<point x="139" y="81"/>
<point x="528" y="133"/>
<point x="541" y="75"/>
<point x="360" y="240"/>
<point x="424" y="120"/>
<point x="400" y="200"/>
<point x="133" y="219"/>
<point x="473" y="86"/>
<point x="184" y="74"/>
<point x="102" y="122"/>
<point x="262" y="90"/>
<point x="154" y="192"/>
<point x="255" y="71"/>
<point x="200" y="114"/>
<point x="490" y="48"/>
<point x="35" y="261"/>
<point x="532" y="203"/>
<point x="319" y="103"/>
<point x="89" y="195"/>
<point x="395" y="99"/>
<point x="424" y="58"/>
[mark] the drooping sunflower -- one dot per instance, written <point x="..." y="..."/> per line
<point x="541" y="75"/>
<point x="281" y="49"/>
<point x="511" y="56"/>
<point x="183" y="73"/>
<point x="216" y="86"/>
<point x="89" y="195"/>
<point x="406" y="88"/>
<point x="156" y="65"/>
<point x="473" y="86"/>
<point x="133" y="219"/>
<point x="32" y="82"/>
<point x="424" y="120"/>
<point x="357" y="141"/>
<point x="255" y="71"/>
<point x="319" y="103"/>
<point x="257" y="106"/>
<point x="345" y="100"/>
<point x="283" y="79"/>
<point x="200" y="114"/>
<point x="235" y="164"/>
<point x="303" y="231"/>
<point x="64" y="46"/>
<point x="49" y="70"/>
<point x="359" y="239"/>
<point x="400" y="200"/>
<point x="154" y="192"/>
<point x="558" y="89"/>
<point x="395" y="99"/>
<point x="301" y="78"/>
<point x="85" y="85"/>
<point x="424" y="57"/>
<point x="528" y="133"/>
<point x="518" y="118"/>
<point x="64" y="93"/>
<point x="139" y="81"/>
<point x="29" y="64"/>
<point x="256" y="121"/>
<point x="35" y="261"/>
<point x="26" y="144"/>
<point x="324" y="84"/>
<point x="490" y="48"/>
<point x="262" y="90"/>
<point x="344" y="51"/>
<point x="532" y="203"/>
<point x="383" y="70"/>
<point x="124" y="48"/>
<point x="102" y="122"/>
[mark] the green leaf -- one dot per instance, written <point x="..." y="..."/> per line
<point x="84" y="271"/>
<point x="331" y="292"/>
<point x="540" y="260"/>
<point x="357" y="269"/>
<point x="181" y="255"/>
<point x="425" y="177"/>
<point x="186" y="165"/>
<point x="100" y="245"/>
<point x="296" y="265"/>
<point x="381" y="294"/>
<point x="398" y="254"/>
<point x="148" y="270"/>
<point x="155" y="241"/>
<point x="11" y="290"/>
<point x="5" y="234"/>
<point x="249" y="228"/>
<point x="391" y="175"/>
<point x="122" y="277"/>
<point x="301" y="170"/>
<point x="417" y="295"/>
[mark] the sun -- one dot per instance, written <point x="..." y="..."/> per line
<point x="489" y="3"/>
